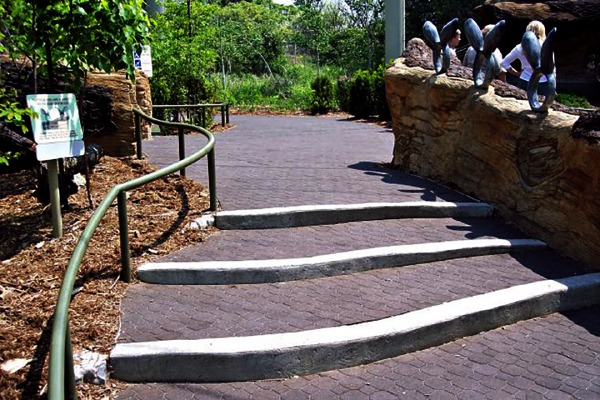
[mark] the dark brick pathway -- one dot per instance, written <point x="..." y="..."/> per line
<point x="556" y="357"/>
<point x="321" y="161"/>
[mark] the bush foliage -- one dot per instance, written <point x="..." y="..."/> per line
<point x="363" y="95"/>
<point x="322" y="100"/>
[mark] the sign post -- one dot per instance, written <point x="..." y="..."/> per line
<point x="57" y="132"/>
<point x="57" y="226"/>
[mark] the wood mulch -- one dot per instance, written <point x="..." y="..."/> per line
<point x="32" y="264"/>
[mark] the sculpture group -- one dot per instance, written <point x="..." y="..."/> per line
<point x="485" y="66"/>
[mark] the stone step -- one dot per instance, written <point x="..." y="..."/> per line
<point x="282" y="270"/>
<point x="285" y="217"/>
<point x="298" y="353"/>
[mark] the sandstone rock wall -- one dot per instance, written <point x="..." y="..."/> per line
<point x="109" y="99"/>
<point x="527" y="165"/>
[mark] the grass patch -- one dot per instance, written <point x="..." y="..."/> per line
<point x="573" y="100"/>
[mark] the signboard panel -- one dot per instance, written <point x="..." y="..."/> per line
<point x="56" y="129"/>
<point x="143" y="61"/>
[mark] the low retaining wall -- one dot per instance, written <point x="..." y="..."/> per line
<point x="525" y="164"/>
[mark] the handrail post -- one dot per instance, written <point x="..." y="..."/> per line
<point x="227" y="112"/>
<point x="138" y="135"/>
<point x="212" y="180"/>
<point x="223" y="114"/>
<point x="124" y="237"/>
<point x="71" y="391"/>
<point x="181" y="137"/>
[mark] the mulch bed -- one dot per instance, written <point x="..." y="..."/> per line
<point x="33" y="263"/>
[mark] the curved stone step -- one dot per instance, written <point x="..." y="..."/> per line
<point x="285" y="217"/>
<point x="299" y="353"/>
<point x="264" y="271"/>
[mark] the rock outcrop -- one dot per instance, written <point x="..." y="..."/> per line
<point x="107" y="116"/>
<point x="528" y="165"/>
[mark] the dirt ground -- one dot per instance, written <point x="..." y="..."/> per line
<point x="33" y="263"/>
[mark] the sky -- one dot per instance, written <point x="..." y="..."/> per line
<point x="286" y="2"/>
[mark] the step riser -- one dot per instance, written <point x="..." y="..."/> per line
<point x="321" y="215"/>
<point x="269" y="271"/>
<point x="300" y="353"/>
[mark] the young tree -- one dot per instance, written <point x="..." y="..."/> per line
<point x="63" y="40"/>
<point x="347" y="33"/>
<point x="75" y="36"/>
<point x="184" y="40"/>
<point x="253" y="38"/>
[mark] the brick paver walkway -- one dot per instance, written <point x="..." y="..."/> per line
<point x="329" y="161"/>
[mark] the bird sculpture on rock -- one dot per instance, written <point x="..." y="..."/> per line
<point x="438" y="43"/>
<point x="541" y="59"/>
<point x="485" y="66"/>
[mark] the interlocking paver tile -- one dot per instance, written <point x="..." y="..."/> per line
<point x="557" y="356"/>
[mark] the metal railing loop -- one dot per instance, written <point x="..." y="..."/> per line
<point x="61" y="382"/>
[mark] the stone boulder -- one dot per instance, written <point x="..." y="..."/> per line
<point x="528" y="165"/>
<point x="107" y="116"/>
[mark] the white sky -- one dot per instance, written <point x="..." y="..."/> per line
<point x="286" y="2"/>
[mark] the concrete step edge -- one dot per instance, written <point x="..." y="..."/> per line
<point x="299" y="353"/>
<point x="281" y="270"/>
<point x="286" y="217"/>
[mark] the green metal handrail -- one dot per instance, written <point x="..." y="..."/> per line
<point x="61" y="378"/>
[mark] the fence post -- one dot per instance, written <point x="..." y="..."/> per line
<point x="222" y="114"/>
<point x="181" y="137"/>
<point x="138" y="135"/>
<point x="124" y="237"/>
<point x="227" y="112"/>
<point x="212" y="180"/>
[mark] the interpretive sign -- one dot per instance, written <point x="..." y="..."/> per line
<point x="143" y="61"/>
<point x="56" y="129"/>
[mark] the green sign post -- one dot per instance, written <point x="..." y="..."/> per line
<point x="57" y="132"/>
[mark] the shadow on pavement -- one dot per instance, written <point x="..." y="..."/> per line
<point x="430" y="191"/>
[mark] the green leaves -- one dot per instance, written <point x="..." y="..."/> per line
<point x="79" y="35"/>
<point x="11" y="112"/>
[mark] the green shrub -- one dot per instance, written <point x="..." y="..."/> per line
<point x="380" y="104"/>
<point x="572" y="100"/>
<point x="290" y="90"/>
<point x="322" y="95"/>
<point x="342" y="93"/>
<point x="300" y="97"/>
<point x="363" y="95"/>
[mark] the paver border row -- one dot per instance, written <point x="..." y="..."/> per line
<point x="300" y="353"/>
<point x="286" y="217"/>
<point x="283" y="270"/>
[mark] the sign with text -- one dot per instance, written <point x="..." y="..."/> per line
<point x="143" y="61"/>
<point x="56" y="129"/>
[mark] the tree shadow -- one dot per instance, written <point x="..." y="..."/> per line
<point x="409" y="183"/>
<point x="26" y="230"/>
<point x="548" y="264"/>
<point x="36" y="367"/>
<point x="175" y="225"/>
<point x="587" y="318"/>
